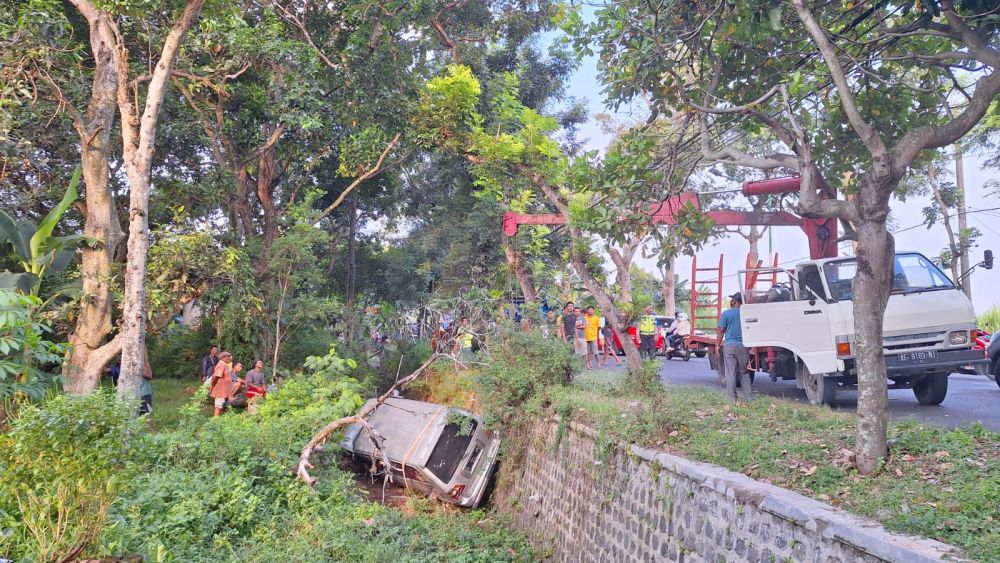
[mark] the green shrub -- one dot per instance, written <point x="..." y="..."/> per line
<point x="60" y="470"/>
<point x="27" y="359"/>
<point x="179" y="350"/>
<point x="989" y="320"/>
<point x="522" y="365"/>
<point x="216" y="488"/>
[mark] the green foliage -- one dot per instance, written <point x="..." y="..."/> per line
<point x="360" y="151"/>
<point x="522" y="366"/>
<point x="35" y="248"/>
<point x="60" y="470"/>
<point x="446" y="111"/>
<point x="25" y="353"/>
<point x="177" y="351"/>
<point x="989" y="320"/>
<point x="213" y="488"/>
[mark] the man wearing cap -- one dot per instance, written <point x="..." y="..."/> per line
<point x="222" y="382"/>
<point x="734" y="353"/>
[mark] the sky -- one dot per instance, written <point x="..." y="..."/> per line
<point x="790" y="243"/>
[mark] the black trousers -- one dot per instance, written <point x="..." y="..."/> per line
<point x="647" y="345"/>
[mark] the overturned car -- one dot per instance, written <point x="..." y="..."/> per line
<point x="441" y="451"/>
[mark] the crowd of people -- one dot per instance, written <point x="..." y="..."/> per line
<point x="222" y="376"/>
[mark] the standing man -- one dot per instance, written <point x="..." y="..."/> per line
<point x="734" y="353"/>
<point x="647" y="333"/>
<point x="579" y="344"/>
<point x="591" y="330"/>
<point x="221" y="382"/>
<point x="569" y="325"/>
<point x="209" y="362"/>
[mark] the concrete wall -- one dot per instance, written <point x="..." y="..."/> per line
<point x="589" y="500"/>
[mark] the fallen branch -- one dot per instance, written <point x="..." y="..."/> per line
<point x="320" y="438"/>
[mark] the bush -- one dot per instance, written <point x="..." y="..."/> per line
<point x="219" y="488"/>
<point x="178" y="351"/>
<point x="521" y="367"/>
<point x="61" y="470"/>
<point x="990" y="320"/>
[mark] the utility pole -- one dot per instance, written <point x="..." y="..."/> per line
<point x="963" y="226"/>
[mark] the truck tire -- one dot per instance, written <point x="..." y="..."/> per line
<point x="932" y="389"/>
<point x="820" y="390"/>
<point x="996" y="371"/>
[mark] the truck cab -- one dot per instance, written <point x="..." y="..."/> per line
<point x="808" y="321"/>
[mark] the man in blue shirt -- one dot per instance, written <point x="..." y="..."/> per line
<point x="734" y="353"/>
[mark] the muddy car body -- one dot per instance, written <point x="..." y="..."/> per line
<point x="441" y="451"/>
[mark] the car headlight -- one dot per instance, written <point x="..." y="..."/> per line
<point x="958" y="337"/>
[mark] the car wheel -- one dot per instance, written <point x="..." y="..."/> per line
<point x="932" y="389"/>
<point x="819" y="390"/>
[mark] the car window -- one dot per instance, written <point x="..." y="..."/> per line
<point x="450" y="448"/>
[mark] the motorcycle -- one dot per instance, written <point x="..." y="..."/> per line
<point x="681" y="350"/>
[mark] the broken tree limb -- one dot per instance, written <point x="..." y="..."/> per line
<point x="320" y="438"/>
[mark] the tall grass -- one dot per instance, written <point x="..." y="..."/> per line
<point x="989" y="320"/>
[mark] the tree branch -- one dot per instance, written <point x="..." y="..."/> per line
<point x="320" y="438"/>
<point x="865" y="131"/>
<point x="375" y="170"/>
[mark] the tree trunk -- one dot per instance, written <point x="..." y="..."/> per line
<point x="953" y="246"/>
<point x="351" y="267"/>
<point x="138" y="145"/>
<point x="243" y="217"/>
<point x="669" y="301"/>
<point x="632" y="357"/>
<point x="753" y="237"/>
<point x="516" y="265"/>
<point x="963" y="225"/>
<point x="265" y="193"/>
<point x="871" y="291"/>
<point x="86" y="359"/>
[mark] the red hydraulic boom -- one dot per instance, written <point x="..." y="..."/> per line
<point x="821" y="233"/>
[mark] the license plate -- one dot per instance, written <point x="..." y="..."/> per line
<point x="917" y="358"/>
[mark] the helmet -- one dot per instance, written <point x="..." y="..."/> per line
<point x="682" y="316"/>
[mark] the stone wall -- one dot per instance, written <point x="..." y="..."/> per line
<point x="583" y="499"/>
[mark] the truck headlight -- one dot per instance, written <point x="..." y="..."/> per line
<point x="958" y="337"/>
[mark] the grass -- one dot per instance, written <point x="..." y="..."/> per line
<point x="169" y="395"/>
<point x="938" y="483"/>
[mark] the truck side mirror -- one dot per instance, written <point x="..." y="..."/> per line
<point x="988" y="259"/>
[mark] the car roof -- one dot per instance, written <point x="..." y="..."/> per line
<point x="401" y="422"/>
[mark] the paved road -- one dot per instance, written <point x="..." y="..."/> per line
<point x="970" y="398"/>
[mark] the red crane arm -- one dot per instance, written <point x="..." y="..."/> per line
<point x="821" y="233"/>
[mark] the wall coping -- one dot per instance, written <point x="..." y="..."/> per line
<point x="831" y="522"/>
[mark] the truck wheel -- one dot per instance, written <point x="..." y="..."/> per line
<point x="932" y="389"/>
<point x="819" y="390"/>
<point x="700" y="353"/>
<point x="996" y="371"/>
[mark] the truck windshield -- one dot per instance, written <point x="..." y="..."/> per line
<point x="912" y="273"/>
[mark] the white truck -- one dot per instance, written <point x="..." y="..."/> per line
<point x="806" y="324"/>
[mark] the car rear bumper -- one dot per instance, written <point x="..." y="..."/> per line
<point x="947" y="361"/>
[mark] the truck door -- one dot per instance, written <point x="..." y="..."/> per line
<point x="800" y="324"/>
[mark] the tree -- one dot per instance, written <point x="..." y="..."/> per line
<point x="886" y="71"/>
<point x="513" y="150"/>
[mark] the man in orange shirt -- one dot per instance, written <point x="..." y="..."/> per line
<point x="222" y="382"/>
